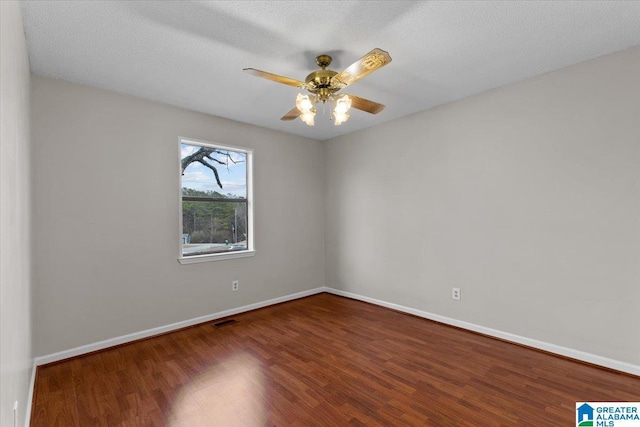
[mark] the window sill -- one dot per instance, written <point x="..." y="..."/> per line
<point x="216" y="257"/>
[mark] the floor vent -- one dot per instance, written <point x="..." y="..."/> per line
<point x="224" y="323"/>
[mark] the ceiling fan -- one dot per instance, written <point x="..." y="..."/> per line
<point x="324" y="84"/>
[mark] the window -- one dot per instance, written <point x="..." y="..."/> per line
<point x="216" y="218"/>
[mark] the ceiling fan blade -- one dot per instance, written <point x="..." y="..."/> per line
<point x="365" y="104"/>
<point x="291" y="115"/>
<point x="369" y="63"/>
<point x="275" y="77"/>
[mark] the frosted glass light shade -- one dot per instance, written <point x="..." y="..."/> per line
<point x="305" y="103"/>
<point x="340" y="118"/>
<point x="308" y="117"/>
<point x="342" y="104"/>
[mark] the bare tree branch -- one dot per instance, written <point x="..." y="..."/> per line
<point x="207" y="153"/>
<point x="215" y="171"/>
<point x="216" y="160"/>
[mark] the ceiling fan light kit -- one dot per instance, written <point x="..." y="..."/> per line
<point x="323" y="85"/>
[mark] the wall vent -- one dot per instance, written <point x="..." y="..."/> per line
<point x="224" y="323"/>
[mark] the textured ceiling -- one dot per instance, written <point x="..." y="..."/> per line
<point x="191" y="54"/>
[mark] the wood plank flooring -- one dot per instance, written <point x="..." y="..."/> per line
<point x="323" y="360"/>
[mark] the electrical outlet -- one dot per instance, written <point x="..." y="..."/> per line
<point x="455" y="294"/>
<point x="234" y="285"/>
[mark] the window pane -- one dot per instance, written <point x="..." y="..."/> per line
<point x="213" y="227"/>
<point x="214" y="182"/>
<point x="201" y="164"/>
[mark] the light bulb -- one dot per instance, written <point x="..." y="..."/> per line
<point x="304" y="103"/>
<point x="340" y="118"/>
<point x="342" y="104"/>
<point x="308" y="117"/>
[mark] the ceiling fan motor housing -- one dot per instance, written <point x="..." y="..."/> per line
<point x="319" y="83"/>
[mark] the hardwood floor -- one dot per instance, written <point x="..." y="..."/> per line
<point x="321" y="361"/>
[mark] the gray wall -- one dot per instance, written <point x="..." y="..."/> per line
<point x="527" y="197"/>
<point x="106" y="216"/>
<point x="16" y="357"/>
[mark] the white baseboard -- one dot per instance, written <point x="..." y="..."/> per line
<point x="112" y="342"/>
<point x="32" y="385"/>
<point x="541" y="345"/>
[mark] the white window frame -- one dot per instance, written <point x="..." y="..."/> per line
<point x="250" y="251"/>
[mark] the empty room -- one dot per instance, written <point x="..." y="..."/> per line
<point x="319" y="213"/>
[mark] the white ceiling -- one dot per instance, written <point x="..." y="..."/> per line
<point x="191" y="54"/>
